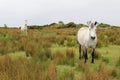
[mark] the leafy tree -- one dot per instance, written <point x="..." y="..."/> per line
<point x="102" y="25"/>
<point x="70" y="24"/>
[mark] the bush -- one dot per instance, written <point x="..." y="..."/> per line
<point x="70" y="24"/>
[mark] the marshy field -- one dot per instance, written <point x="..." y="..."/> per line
<point x="51" y="53"/>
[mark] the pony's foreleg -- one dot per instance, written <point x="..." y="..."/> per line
<point x="93" y="55"/>
<point x="85" y="55"/>
<point x="80" y="54"/>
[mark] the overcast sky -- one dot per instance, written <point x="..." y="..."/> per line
<point x="41" y="12"/>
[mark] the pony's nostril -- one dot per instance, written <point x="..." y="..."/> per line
<point x="92" y="37"/>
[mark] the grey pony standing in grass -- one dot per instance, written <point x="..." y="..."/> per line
<point x="24" y="28"/>
<point x="87" y="38"/>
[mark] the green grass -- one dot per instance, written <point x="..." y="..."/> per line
<point x="17" y="55"/>
<point x="112" y="52"/>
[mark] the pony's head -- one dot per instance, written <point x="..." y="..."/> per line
<point x="92" y="29"/>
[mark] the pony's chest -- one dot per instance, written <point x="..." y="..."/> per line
<point x="91" y="43"/>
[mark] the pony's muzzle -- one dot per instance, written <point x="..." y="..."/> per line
<point x="92" y="37"/>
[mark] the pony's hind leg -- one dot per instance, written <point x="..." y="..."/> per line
<point x="85" y="55"/>
<point x="80" y="54"/>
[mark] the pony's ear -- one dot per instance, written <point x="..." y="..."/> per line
<point x="88" y="23"/>
<point x="92" y="25"/>
<point x="96" y="23"/>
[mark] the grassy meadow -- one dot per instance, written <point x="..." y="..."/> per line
<point x="52" y="54"/>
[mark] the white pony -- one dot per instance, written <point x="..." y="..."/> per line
<point x="87" y="38"/>
<point x="24" y="28"/>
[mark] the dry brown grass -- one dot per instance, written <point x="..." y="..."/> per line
<point x="24" y="69"/>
